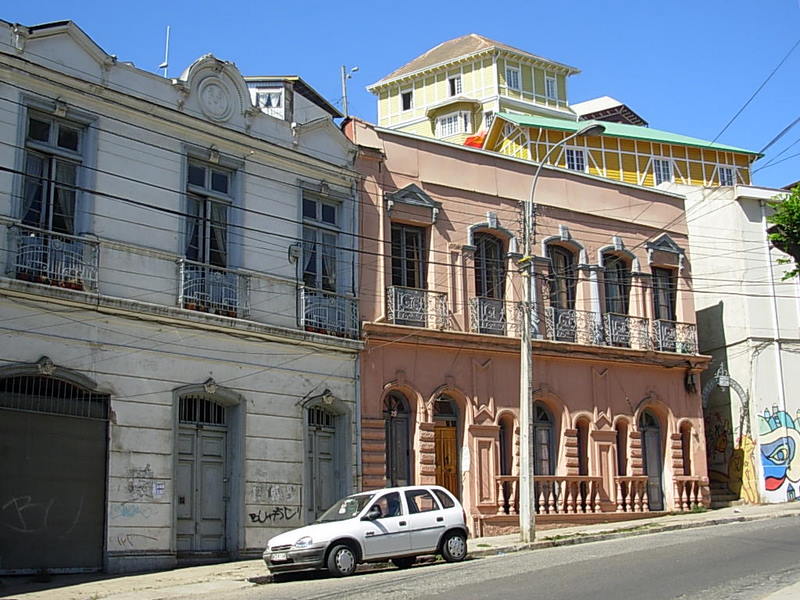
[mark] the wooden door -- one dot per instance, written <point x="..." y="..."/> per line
<point x="446" y="457"/>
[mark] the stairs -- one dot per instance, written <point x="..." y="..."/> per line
<point x="723" y="497"/>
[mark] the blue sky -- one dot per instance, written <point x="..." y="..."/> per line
<point x="685" y="66"/>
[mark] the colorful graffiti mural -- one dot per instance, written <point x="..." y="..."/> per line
<point x="779" y="441"/>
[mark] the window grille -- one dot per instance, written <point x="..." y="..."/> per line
<point x="319" y="417"/>
<point x="52" y="396"/>
<point x="200" y="410"/>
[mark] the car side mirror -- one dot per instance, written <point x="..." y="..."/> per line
<point x="372" y="514"/>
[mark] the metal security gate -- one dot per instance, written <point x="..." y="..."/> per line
<point x="321" y="461"/>
<point x="53" y="449"/>
<point x="202" y="480"/>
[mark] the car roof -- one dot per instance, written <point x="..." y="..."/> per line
<point x="401" y="489"/>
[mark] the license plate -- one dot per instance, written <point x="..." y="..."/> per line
<point x="279" y="556"/>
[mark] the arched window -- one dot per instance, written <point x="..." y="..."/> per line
<point x="583" y="447"/>
<point x="490" y="269"/>
<point x="506" y="442"/>
<point x="622" y="448"/>
<point x="617" y="279"/>
<point x="395" y="418"/>
<point x="563" y="277"/>
<point x="686" y="448"/>
<point x="543" y="446"/>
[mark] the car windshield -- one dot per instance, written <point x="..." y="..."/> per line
<point x="346" y="508"/>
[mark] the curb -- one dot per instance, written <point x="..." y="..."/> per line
<point x="579" y="538"/>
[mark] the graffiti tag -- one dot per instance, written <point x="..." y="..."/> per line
<point x="29" y="517"/>
<point x="140" y="483"/>
<point x="127" y="510"/>
<point x="128" y="540"/>
<point x="278" y="513"/>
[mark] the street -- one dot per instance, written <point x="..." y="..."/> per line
<point x="736" y="561"/>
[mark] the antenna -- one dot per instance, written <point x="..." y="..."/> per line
<point x="165" y="64"/>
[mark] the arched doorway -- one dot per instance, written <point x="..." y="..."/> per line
<point x="543" y="442"/>
<point x="445" y="420"/>
<point x="395" y="418"/>
<point x="651" y="459"/>
<point x="53" y="444"/>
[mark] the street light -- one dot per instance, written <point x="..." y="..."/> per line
<point x="345" y="76"/>
<point x="527" y="507"/>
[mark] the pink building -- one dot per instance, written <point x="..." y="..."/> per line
<point x="618" y="424"/>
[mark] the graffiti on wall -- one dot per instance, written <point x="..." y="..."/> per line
<point x="779" y="438"/>
<point x="731" y="458"/>
<point x="277" y="514"/>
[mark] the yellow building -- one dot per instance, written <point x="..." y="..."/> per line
<point x="515" y="103"/>
<point x="629" y="153"/>
<point x="455" y="89"/>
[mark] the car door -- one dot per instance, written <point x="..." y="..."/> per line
<point x="388" y="535"/>
<point x="426" y="520"/>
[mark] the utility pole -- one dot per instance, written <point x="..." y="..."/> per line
<point x="345" y="76"/>
<point x="527" y="500"/>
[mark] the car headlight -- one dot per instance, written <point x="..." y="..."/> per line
<point x="303" y="542"/>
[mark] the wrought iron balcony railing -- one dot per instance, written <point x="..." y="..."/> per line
<point x="419" y="308"/>
<point x="672" y="336"/>
<point x="52" y="258"/>
<point x="570" y="325"/>
<point x="329" y="313"/>
<point x="215" y="290"/>
<point x="495" y="316"/>
<point x="626" y="331"/>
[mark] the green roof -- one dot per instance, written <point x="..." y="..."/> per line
<point x="621" y="130"/>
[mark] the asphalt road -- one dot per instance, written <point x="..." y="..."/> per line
<point x="732" y="562"/>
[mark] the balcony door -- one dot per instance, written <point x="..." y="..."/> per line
<point x="490" y="279"/>
<point x="664" y="311"/>
<point x="409" y="298"/>
<point x="563" y="284"/>
<point x="617" y="287"/>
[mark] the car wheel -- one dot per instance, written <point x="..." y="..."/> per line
<point x="454" y="546"/>
<point x="342" y="561"/>
<point x="404" y="562"/>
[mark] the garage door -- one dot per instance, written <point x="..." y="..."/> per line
<point x="52" y="475"/>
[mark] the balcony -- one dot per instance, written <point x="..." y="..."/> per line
<point x="495" y="316"/>
<point x="56" y="259"/>
<point x="613" y="329"/>
<point x="671" y="336"/>
<point x="416" y="307"/>
<point x="626" y="331"/>
<point x="576" y="326"/>
<point x="213" y="290"/>
<point x="329" y="313"/>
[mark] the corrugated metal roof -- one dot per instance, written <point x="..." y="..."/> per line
<point x="455" y="48"/>
<point x="621" y="130"/>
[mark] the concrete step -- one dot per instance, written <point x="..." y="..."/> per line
<point x="717" y="503"/>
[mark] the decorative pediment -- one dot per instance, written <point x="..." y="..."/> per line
<point x="216" y="89"/>
<point x="413" y="195"/>
<point x="665" y="246"/>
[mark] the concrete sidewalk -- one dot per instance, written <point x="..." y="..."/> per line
<point x="237" y="575"/>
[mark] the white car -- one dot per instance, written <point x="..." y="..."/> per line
<point x="393" y="523"/>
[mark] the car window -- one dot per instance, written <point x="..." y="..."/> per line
<point x="346" y="508"/>
<point x="420" y="501"/>
<point x="444" y="499"/>
<point x="389" y="505"/>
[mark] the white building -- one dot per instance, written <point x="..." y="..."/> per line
<point x="178" y="329"/>
<point x="749" y="321"/>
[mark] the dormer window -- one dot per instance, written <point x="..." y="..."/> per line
<point x="550" y="88"/>
<point x="406" y="100"/>
<point x="512" y="78"/>
<point x="270" y="101"/>
<point x="454" y="84"/>
<point x="453" y="124"/>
